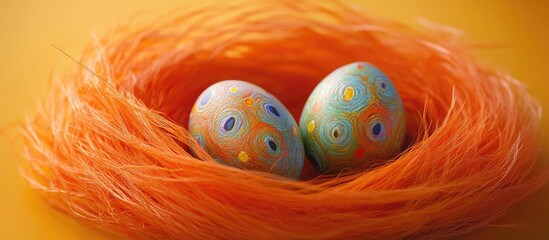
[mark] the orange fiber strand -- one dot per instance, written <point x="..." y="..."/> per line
<point x="109" y="146"/>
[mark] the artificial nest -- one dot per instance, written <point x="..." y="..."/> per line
<point x="109" y="146"/>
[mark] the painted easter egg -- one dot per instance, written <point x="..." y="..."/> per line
<point x="242" y="125"/>
<point x="352" y="117"/>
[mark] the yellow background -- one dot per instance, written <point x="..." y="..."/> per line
<point x="27" y="28"/>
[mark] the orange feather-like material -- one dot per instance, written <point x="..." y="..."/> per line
<point x="110" y="146"/>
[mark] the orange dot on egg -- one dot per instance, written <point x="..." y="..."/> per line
<point x="294" y="130"/>
<point x="243" y="156"/>
<point x="316" y="107"/>
<point x="359" y="152"/>
<point x="248" y="101"/>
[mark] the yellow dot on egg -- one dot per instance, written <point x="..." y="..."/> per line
<point x="194" y="108"/>
<point x="349" y="93"/>
<point x="233" y="89"/>
<point x="311" y="126"/>
<point x="243" y="156"/>
<point x="294" y="130"/>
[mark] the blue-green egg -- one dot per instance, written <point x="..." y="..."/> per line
<point x="353" y="116"/>
<point x="241" y="125"/>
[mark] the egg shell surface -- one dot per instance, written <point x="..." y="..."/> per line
<point x="353" y="116"/>
<point x="241" y="125"/>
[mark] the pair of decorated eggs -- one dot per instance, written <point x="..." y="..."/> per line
<point x="353" y="116"/>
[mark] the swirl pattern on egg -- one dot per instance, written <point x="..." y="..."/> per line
<point x="242" y="125"/>
<point x="353" y="116"/>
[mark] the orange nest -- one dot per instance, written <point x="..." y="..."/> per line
<point x="109" y="146"/>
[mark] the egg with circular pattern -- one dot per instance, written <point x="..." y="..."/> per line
<point x="353" y="117"/>
<point x="241" y="125"/>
